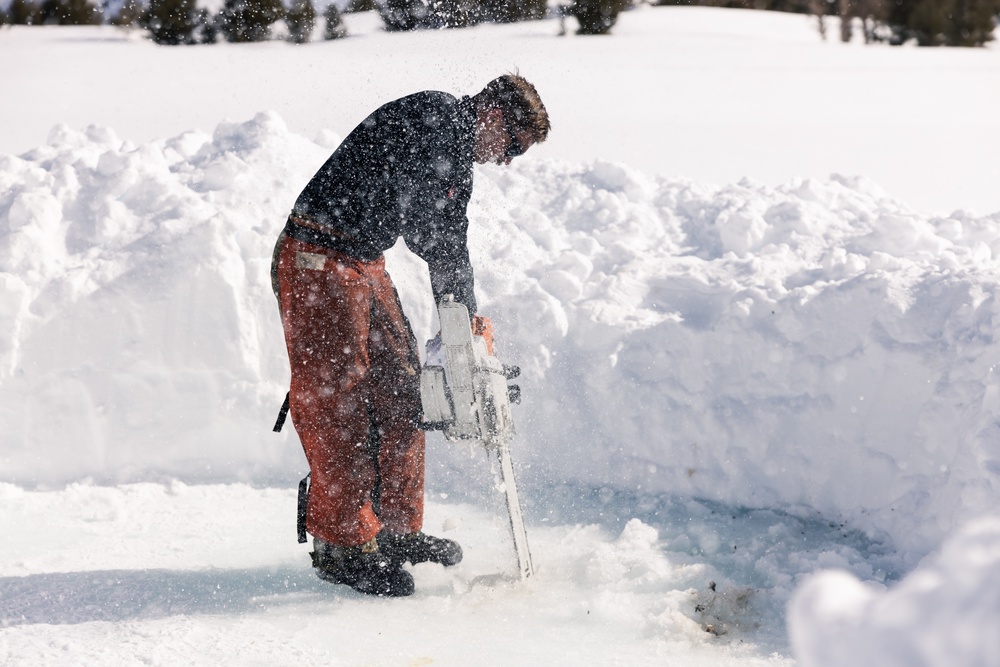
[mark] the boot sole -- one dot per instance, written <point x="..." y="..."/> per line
<point x="402" y="588"/>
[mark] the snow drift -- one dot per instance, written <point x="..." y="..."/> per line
<point x="816" y="345"/>
<point x="944" y="613"/>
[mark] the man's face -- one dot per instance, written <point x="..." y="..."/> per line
<point x="497" y="141"/>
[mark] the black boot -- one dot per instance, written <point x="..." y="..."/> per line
<point x="419" y="547"/>
<point x="364" y="568"/>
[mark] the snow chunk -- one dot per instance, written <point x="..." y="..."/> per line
<point x="944" y="613"/>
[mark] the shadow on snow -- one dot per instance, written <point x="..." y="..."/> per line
<point x="61" y="598"/>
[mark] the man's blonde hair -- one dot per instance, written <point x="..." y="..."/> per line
<point x="519" y="101"/>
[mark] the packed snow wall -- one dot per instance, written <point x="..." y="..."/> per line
<point x="815" y="346"/>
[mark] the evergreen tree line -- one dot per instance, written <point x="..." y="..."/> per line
<point x="182" y="22"/>
<point x="595" y="17"/>
<point x="928" y="22"/>
<point x="51" y="12"/>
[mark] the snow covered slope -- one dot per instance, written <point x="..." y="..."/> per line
<point x="708" y="94"/>
<point x="816" y="345"/>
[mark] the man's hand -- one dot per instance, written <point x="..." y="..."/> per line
<point x="481" y="326"/>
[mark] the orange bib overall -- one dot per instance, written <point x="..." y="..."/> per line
<point x="355" y="392"/>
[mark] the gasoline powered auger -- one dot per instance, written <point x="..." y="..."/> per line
<point x="464" y="392"/>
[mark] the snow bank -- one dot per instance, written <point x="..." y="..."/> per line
<point x="945" y="613"/>
<point x="142" y="337"/>
<point x="816" y="345"/>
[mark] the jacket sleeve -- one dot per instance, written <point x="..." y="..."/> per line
<point x="442" y="242"/>
<point x="451" y="271"/>
<point x="440" y="186"/>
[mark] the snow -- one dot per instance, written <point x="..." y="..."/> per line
<point x="177" y="575"/>
<point x="753" y="386"/>
<point x="944" y="613"/>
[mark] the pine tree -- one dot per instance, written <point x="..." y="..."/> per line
<point x="971" y="22"/>
<point x="927" y="22"/>
<point x="451" y="14"/>
<point x="361" y="6"/>
<point x="23" y="12"/>
<point x="508" y="11"/>
<point x="69" y="12"/>
<point x="335" y="27"/>
<point x="128" y="16"/>
<point x="413" y="14"/>
<point x="402" y="14"/>
<point x="597" y="17"/>
<point x="171" y="21"/>
<point x="300" y="19"/>
<point x="942" y="22"/>
<point x="249" y="20"/>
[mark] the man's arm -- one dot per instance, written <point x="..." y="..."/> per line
<point x="438" y="173"/>
<point x="451" y="273"/>
<point x="443" y="243"/>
